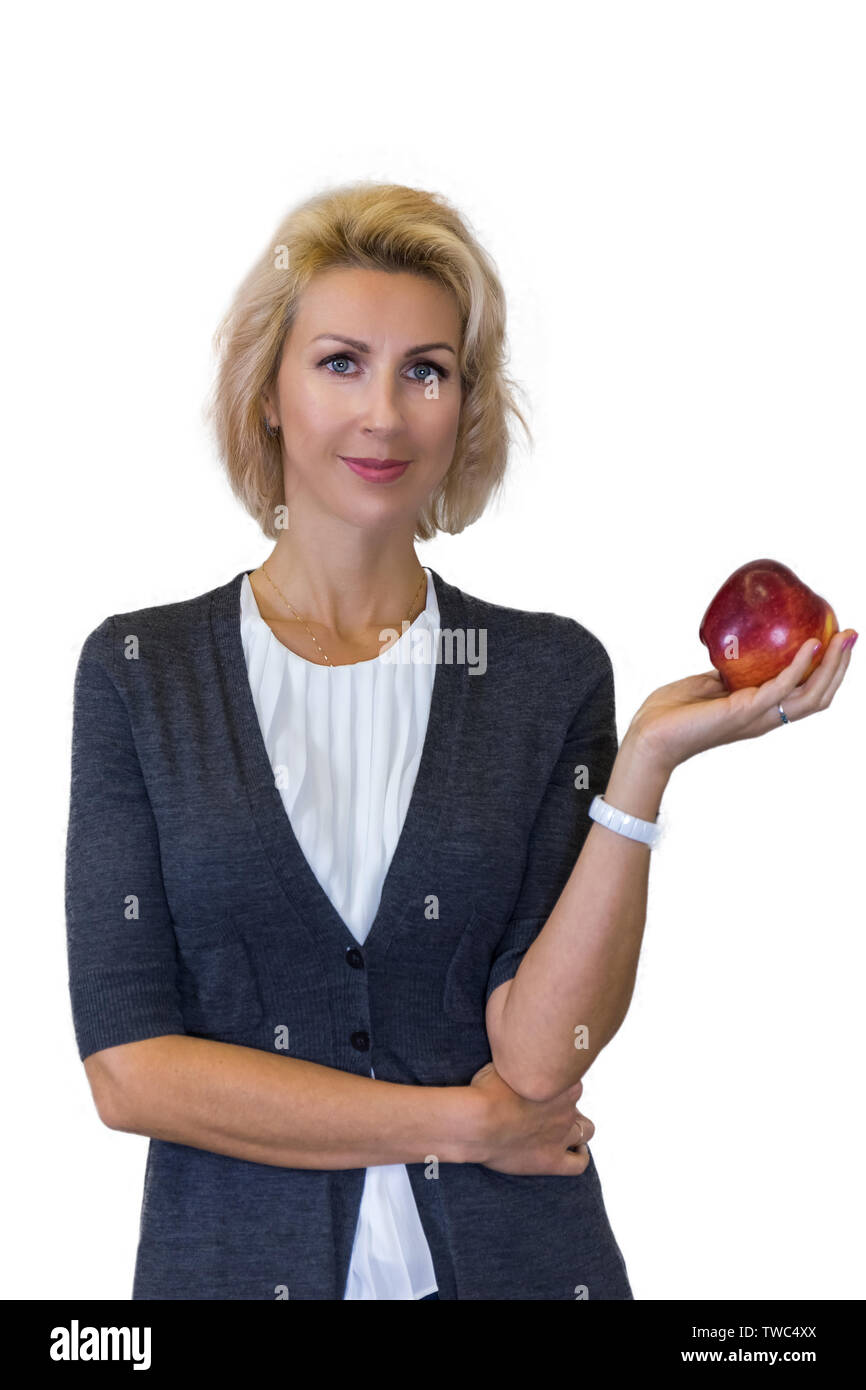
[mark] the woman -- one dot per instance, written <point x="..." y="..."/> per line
<point x="341" y="939"/>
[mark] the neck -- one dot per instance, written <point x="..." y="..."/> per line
<point x="352" y="590"/>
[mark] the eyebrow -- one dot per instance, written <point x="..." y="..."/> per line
<point x="364" y="347"/>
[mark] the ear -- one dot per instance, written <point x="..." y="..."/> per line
<point x="268" y="404"/>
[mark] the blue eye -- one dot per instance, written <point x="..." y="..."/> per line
<point x="336" y="357"/>
<point x="441" y="372"/>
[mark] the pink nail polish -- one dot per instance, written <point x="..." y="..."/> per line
<point x="849" y="641"/>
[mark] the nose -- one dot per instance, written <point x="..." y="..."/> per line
<point x="381" y="410"/>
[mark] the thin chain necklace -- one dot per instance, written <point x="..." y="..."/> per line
<point x="327" y="659"/>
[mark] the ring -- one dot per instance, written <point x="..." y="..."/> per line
<point x="785" y="719"/>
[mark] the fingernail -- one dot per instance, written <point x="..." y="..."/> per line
<point x="849" y="641"/>
<point x="816" y="648"/>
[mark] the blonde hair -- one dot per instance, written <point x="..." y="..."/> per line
<point x="379" y="227"/>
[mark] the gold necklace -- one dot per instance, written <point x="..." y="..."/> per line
<point x="328" y="660"/>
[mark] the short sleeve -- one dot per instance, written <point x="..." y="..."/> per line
<point x="563" y="822"/>
<point x="121" y="946"/>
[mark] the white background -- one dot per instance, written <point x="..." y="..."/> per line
<point x="673" y="194"/>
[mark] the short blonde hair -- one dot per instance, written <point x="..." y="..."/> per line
<point x="379" y="227"/>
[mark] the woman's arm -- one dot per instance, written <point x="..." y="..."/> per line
<point x="251" y="1104"/>
<point x="581" y="968"/>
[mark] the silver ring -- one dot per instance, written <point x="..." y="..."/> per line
<point x="785" y="719"/>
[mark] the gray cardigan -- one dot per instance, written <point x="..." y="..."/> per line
<point x="191" y="909"/>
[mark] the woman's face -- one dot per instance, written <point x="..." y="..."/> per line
<point x="376" y="398"/>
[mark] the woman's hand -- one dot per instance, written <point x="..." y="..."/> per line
<point x="532" y="1136"/>
<point x="697" y="713"/>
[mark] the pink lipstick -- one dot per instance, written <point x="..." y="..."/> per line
<point x="377" y="470"/>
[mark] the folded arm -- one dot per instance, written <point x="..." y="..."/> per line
<point x="572" y="969"/>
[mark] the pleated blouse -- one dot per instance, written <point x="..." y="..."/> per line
<point x="345" y="743"/>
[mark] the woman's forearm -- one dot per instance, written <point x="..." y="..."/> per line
<point x="255" y="1105"/>
<point x="579" y="973"/>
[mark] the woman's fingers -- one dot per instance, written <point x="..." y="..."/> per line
<point x="834" y="662"/>
<point x="830" y="690"/>
<point x="583" y="1124"/>
<point x="784" y="685"/>
<point x="772" y="691"/>
<point x="815" y="694"/>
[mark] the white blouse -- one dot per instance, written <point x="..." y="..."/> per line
<point x="348" y="742"/>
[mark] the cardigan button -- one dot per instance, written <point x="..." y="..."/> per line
<point x="360" y="1041"/>
<point x="354" y="958"/>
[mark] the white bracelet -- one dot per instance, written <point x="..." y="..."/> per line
<point x="647" y="831"/>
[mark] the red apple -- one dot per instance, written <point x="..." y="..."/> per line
<point x="759" y="620"/>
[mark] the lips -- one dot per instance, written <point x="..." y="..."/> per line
<point x="376" y="470"/>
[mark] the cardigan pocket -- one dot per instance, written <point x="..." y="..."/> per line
<point x="466" y="979"/>
<point x="218" y="986"/>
